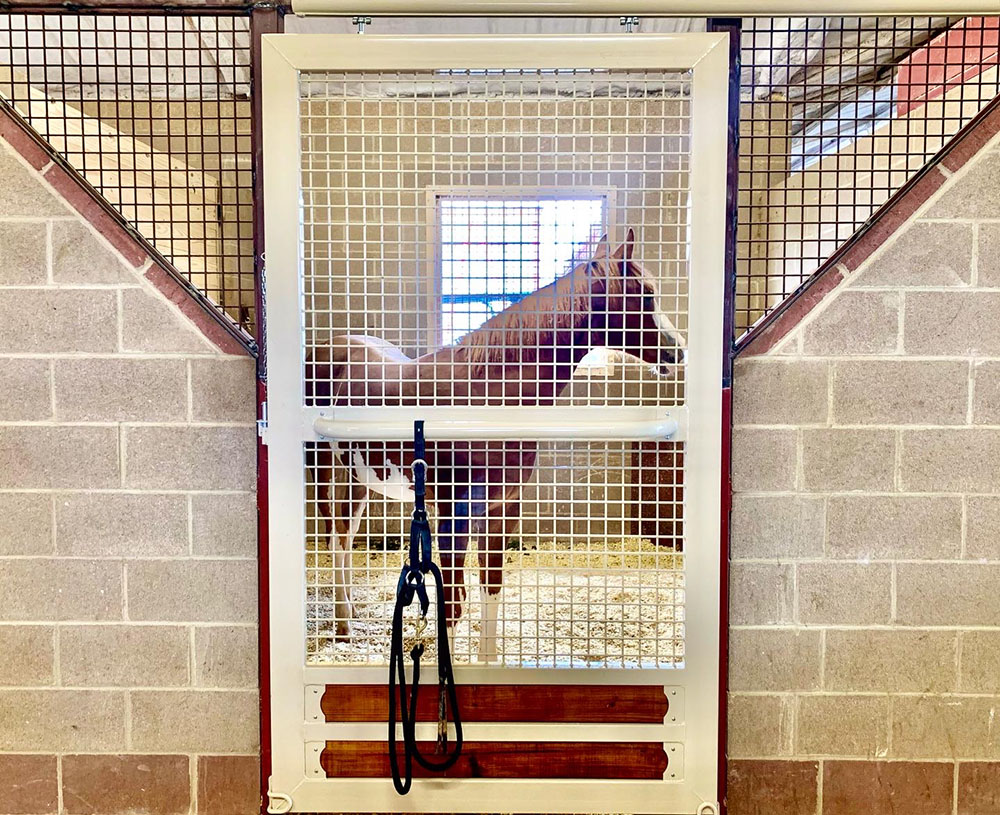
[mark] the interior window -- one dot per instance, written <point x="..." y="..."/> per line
<point x="496" y="250"/>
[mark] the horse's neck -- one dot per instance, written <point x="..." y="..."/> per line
<point x="532" y="371"/>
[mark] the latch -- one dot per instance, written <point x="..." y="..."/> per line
<point x="262" y="423"/>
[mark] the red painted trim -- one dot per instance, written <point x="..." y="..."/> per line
<point x="181" y="296"/>
<point x="264" y="607"/>
<point x="83" y="201"/>
<point x="16" y="134"/>
<point x="962" y="148"/>
<point x="870" y="241"/>
<point x="947" y="61"/>
<point x="974" y="141"/>
<point x="727" y="502"/>
<point x="216" y="326"/>
<point x="787" y="319"/>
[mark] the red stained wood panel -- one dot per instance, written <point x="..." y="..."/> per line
<point x="620" y="704"/>
<point x="503" y="759"/>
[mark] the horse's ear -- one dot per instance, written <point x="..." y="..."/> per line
<point x="602" y="247"/>
<point x="624" y="252"/>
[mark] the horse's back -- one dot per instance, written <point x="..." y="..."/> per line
<point x="328" y="367"/>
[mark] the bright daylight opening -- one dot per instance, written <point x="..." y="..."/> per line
<point x="496" y="251"/>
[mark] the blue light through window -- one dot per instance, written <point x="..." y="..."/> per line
<point x="496" y="251"/>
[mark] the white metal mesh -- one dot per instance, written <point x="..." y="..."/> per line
<point x="586" y="554"/>
<point x="453" y="254"/>
<point x="411" y="179"/>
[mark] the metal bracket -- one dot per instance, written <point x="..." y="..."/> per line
<point x="262" y="423"/>
<point x="675" y="761"/>
<point x="313" y="708"/>
<point x="277" y="802"/>
<point x="361" y="22"/>
<point x="708" y="808"/>
<point x="631" y="23"/>
<point x="314" y="749"/>
<point x="675" y="704"/>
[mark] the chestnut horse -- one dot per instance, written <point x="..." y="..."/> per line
<point x="525" y="355"/>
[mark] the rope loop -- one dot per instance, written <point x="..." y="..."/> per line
<point x="413" y="585"/>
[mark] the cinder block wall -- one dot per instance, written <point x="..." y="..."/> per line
<point x="865" y="627"/>
<point x="128" y="568"/>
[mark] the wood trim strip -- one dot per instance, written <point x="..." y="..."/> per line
<point x="586" y="704"/>
<point x="506" y="759"/>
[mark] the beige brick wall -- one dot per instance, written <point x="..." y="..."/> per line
<point x="866" y="463"/>
<point x="128" y="592"/>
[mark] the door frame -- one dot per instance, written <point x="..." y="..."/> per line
<point x="294" y="728"/>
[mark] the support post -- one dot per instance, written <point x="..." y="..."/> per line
<point x="265" y="18"/>
<point x="732" y="25"/>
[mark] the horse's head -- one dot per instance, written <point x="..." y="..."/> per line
<point x="635" y="323"/>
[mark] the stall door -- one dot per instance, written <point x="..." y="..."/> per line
<point x="518" y="240"/>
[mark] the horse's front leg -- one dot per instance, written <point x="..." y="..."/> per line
<point x="324" y="462"/>
<point x="500" y="524"/>
<point x="345" y="527"/>
<point x="341" y="502"/>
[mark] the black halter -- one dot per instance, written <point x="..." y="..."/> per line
<point x="411" y="584"/>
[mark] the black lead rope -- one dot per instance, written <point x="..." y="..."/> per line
<point x="411" y="584"/>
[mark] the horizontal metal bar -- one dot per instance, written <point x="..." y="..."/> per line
<point x="648" y="8"/>
<point x="501" y="424"/>
<point x="385" y="52"/>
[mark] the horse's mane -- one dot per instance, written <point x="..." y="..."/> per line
<point x="532" y="321"/>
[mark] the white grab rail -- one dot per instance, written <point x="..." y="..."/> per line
<point x="502" y="424"/>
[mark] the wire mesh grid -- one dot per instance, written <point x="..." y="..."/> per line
<point x="574" y="549"/>
<point x="154" y="111"/>
<point x="443" y="214"/>
<point x="837" y="115"/>
<point x="498" y="238"/>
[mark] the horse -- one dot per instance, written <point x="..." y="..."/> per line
<point x="525" y="355"/>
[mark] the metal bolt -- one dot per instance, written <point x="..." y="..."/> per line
<point x="361" y="22"/>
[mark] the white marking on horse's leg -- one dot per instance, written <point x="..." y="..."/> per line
<point x="490" y="606"/>
<point x="341" y="596"/>
<point x="451" y="639"/>
<point x="352" y="532"/>
<point x="395" y="484"/>
<point x="342" y="544"/>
